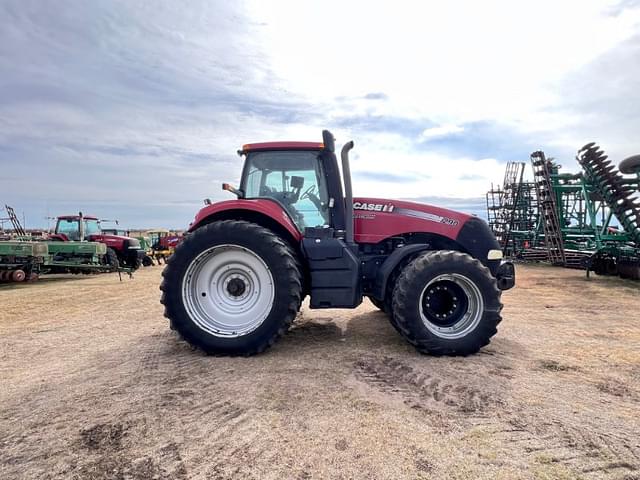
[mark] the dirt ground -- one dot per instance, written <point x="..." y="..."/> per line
<point x="95" y="385"/>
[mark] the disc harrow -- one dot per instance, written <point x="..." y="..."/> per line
<point x="588" y="220"/>
<point x="615" y="189"/>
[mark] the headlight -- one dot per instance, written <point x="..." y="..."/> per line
<point x="494" y="255"/>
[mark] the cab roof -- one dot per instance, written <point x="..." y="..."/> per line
<point x="76" y="217"/>
<point x="259" y="147"/>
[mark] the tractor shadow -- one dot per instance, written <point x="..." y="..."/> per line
<point x="339" y="330"/>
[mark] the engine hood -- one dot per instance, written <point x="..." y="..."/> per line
<point x="118" y="238"/>
<point x="379" y="218"/>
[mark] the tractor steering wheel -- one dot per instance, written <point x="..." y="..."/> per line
<point x="309" y="192"/>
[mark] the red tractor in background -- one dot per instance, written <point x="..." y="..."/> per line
<point x="163" y="240"/>
<point x="237" y="281"/>
<point x="162" y="243"/>
<point x="121" y="250"/>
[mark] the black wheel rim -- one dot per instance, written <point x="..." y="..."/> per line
<point x="451" y="306"/>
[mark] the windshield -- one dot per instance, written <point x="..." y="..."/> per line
<point x="70" y="227"/>
<point x="91" y="227"/>
<point x="292" y="178"/>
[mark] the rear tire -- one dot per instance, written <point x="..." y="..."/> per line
<point x="447" y="303"/>
<point x="232" y="287"/>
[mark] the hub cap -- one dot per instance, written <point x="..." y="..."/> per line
<point x="228" y="291"/>
<point x="451" y="306"/>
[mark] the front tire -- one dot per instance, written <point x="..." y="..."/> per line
<point x="232" y="287"/>
<point x="447" y="303"/>
<point x="111" y="259"/>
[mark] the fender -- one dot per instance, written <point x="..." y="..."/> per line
<point x="265" y="206"/>
<point x="58" y="237"/>
<point x="390" y="263"/>
<point x="477" y="239"/>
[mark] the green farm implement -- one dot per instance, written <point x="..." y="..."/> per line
<point x="584" y="220"/>
<point x="22" y="259"/>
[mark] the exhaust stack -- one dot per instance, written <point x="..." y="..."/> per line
<point x="81" y="226"/>
<point x="348" y="192"/>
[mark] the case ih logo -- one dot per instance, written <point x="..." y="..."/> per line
<point x="373" y="207"/>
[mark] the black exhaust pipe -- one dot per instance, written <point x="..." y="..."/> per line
<point x="348" y="192"/>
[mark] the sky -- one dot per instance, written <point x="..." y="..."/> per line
<point x="134" y="110"/>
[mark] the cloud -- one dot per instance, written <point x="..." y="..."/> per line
<point x="387" y="177"/>
<point x="441" y="131"/>
<point x="376" y="96"/>
<point x="472" y="205"/>
<point x="471" y="177"/>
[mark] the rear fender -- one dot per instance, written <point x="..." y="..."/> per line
<point x="262" y="211"/>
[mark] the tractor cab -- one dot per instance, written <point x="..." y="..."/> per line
<point x="77" y="227"/>
<point x="293" y="178"/>
<point x="302" y="177"/>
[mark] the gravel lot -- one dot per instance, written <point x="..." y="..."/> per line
<point x="95" y="385"/>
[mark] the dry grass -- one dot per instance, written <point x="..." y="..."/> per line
<point x="94" y="385"/>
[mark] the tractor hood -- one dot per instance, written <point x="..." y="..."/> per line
<point x="115" y="241"/>
<point x="377" y="218"/>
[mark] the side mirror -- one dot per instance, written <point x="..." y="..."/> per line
<point x="328" y="141"/>
<point x="237" y="192"/>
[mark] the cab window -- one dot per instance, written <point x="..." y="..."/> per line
<point x="91" y="227"/>
<point x="292" y="178"/>
<point x="68" y="227"/>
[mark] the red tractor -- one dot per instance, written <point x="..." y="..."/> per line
<point x="236" y="283"/>
<point x="121" y="250"/>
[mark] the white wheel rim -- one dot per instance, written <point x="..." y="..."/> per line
<point x="228" y="291"/>
<point x="467" y="321"/>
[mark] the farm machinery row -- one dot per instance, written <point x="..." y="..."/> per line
<point x="158" y="244"/>
<point x="24" y="260"/>
<point x="588" y="220"/>
<point x="78" y="245"/>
